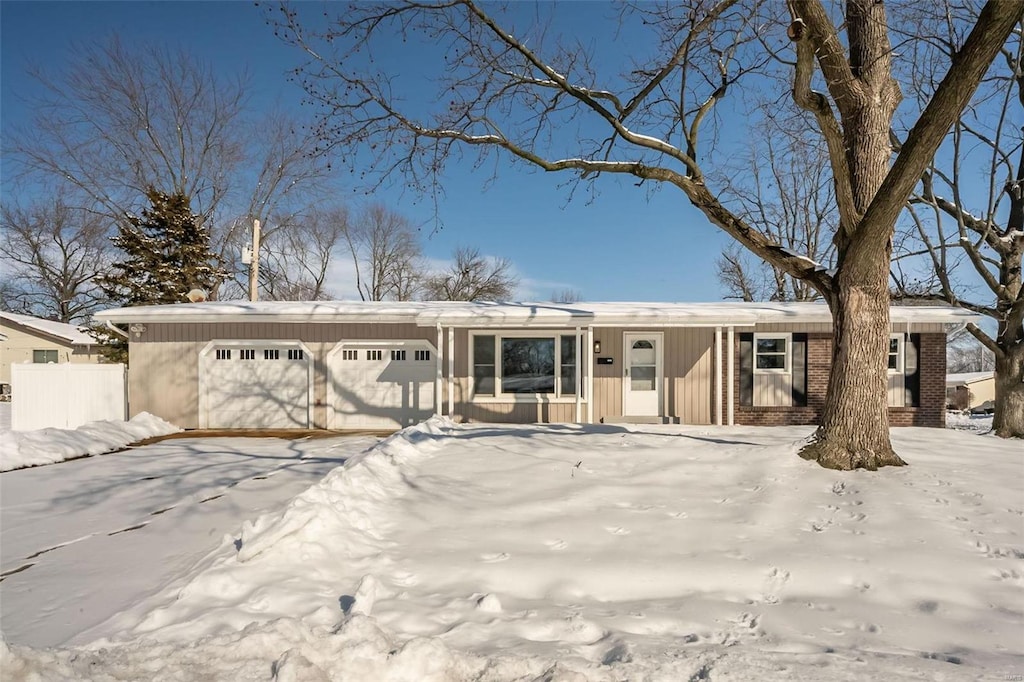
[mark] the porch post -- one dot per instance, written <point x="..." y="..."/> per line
<point x="590" y="374"/>
<point x="451" y="371"/>
<point x="440" y="372"/>
<point x="729" y="376"/>
<point x="579" y="378"/>
<point x="718" y="376"/>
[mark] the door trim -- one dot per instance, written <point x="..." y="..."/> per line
<point x="659" y="358"/>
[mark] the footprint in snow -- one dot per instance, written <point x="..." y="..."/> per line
<point x="617" y="530"/>
<point x="495" y="557"/>
<point x="556" y="544"/>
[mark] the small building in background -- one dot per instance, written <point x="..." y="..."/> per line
<point x="24" y="338"/>
<point x="970" y="390"/>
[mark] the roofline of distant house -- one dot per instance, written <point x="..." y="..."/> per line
<point x="67" y="338"/>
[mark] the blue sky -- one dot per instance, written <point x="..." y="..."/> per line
<point x="626" y="244"/>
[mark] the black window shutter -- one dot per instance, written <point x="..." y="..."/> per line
<point x="911" y="370"/>
<point x="747" y="370"/>
<point x="799" y="351"/>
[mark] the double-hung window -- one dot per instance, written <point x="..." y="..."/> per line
<point x="771" y="353"/>
<point x="895" y="357"/>
<point x="530" y="363"/>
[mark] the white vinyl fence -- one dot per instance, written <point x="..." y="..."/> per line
<point x="66" y="395"/>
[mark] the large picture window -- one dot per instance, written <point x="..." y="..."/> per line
<point x="771" y="353"/>
<point x="516" y="365"/>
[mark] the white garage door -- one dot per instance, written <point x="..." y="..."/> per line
<point x="254" y="386"/>
<point x="381" y="384"/>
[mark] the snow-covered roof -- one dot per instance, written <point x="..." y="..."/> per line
<point x="967" y="378"/>
<point x="68" y="332"/>
<point x="461" y="314"/>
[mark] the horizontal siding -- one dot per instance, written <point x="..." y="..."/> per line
<point x="163" y="379"/>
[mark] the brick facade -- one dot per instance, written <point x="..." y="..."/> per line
<point x="931" y="366"/>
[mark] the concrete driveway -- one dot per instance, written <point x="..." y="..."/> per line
<point x="130" y="521"/>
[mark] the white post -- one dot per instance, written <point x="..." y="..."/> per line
<point x="254" y="266"/>
<point x="451" y="371"/>
<point x="438" y="378"/>
<point x="579" y="378"/>
<point x="590" y="375"/>
<point x="730" y="376"/>
<point x="718" y="376"/>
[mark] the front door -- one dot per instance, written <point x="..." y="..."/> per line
<point x="642" y="375"/>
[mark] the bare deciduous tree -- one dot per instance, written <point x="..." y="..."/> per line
<point x="386" y="252"/>
<point x="297" y="257"/>
<point x="50" y="255"/>
<point x="566" y="296"/>
<point x="120" y="119"/>
<point x="508" y="90"/>
<point x="473" y="277"/>
<point x="784" y="188"/>
<point x="964" y="353"/>
<point x="967" y="215"/>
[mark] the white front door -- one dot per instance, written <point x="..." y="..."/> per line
<point x="642" y="375"/>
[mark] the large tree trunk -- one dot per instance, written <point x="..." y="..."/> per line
<point x="853" y="432"/>
<point x="1009" y="417"/>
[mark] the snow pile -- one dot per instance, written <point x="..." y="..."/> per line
<point x="577" y="553"/>
<point x="20" y="449"/>
<point x="961" y="421"/>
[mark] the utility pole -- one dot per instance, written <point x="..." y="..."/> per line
<point x="254" y="265"/>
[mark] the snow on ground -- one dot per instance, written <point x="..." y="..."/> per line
<point x="20" y="449"/>
<point x="89" y="538"/>
<point x="600" y="553"/>
<point x="5" y="416"/>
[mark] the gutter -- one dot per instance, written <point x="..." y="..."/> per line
<point x="117" y="330"/>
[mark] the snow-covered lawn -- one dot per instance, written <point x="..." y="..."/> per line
<point x="600" y="553"/>
<point x="19" y="449"/>
<point x="82" y="540"/>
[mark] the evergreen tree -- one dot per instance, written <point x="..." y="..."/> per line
<point x="167" y="254"/>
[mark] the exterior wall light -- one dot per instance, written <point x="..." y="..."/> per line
<point x="597" y="347"/>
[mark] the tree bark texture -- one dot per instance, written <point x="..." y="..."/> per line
<point x="1009" y="417"/>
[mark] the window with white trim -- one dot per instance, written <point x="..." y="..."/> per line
<point x="422" y="355"/>
<point x="296" y="354"/>
<point x="349" y="354"/>
<point x="271" y="354"/>
<point x="527" y="363"/>
<point x="223" y="354"/>
<point x="895" y="356"/>
<point x="398" y="355"/>
<point x="44" y="356"/>
<point x="771" y="353"/>
<point x="374" y="355"/>
<point x="247" y="354"/>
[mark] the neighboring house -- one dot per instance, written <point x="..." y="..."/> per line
<point x="346" y="365"/>
<point x="969" y="390"/>
<point x="33" y="339"/>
